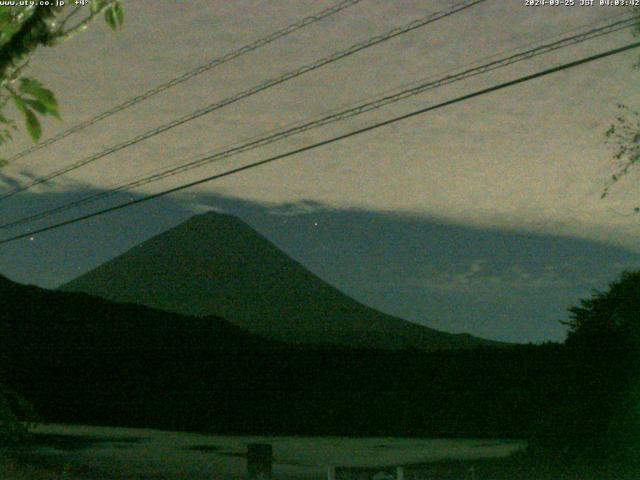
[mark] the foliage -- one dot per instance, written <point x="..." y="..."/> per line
<point x="624" y="135"/>
<point x="22" y="30"/>
<point x="31" y="99"/>
<point x="604" y="344"/>
<point x="17" y="415"/>
<point x="610" y="315"/>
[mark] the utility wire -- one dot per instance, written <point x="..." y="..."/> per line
<point x="189" y="75"/>
<point x="252" y="91"/>
<point x="334" y="117"/>
<point x="329" y="141"/>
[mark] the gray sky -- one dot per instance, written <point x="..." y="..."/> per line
<point x="522" y="167"/>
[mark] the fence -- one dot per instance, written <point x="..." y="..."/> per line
<point x="260" y="462"/>
<point x="421" y="471"/>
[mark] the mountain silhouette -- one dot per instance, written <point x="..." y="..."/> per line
<point x="83" y="359"/>
<point x="215" y="264"/>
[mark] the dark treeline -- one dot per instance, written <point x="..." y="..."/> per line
<point x="82" y="359"/>
<point x="78" y="358"/>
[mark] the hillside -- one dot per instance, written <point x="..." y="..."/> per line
<point x="82" y="359"/>
<point x="215" y="264"/>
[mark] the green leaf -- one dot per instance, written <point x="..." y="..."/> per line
<point x="114" y="15"/>
<point x="33" y="125"/>
<point x="5" y="17"/>
<point x="97" y="5"/>
<point x="119" y="13"/>
<point x="111" y="19"/>
<point x="42" y="108"/>
<point x="30" y="86"/>
<point x="48" y="98"/>
<point x="20" y="104"/>
<point x="37" y="106"/>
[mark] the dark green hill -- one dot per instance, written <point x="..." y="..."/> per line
<point x="84" y="359"/>
<point x="80" y="358"/>
<point x="80" y="323"/>
<point x="215" y="264"/>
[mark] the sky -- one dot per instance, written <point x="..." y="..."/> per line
<point x="483" y="217"/>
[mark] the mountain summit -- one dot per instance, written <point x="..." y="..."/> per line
<point x="215" y="264"/>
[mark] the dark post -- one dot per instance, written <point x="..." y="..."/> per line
<point x="259" y="461"/>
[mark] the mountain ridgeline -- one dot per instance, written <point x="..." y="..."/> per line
<point x="83" y="359"/>
<point x="215" y="264"/>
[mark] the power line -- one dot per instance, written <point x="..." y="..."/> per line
<point x="252" y="91"/>
<point x="335" y="116"/>
<point x="329" y="141"/>
<point x="189" y="75"/>
<point x="341" y="115"/>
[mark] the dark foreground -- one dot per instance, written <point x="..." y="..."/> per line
<point x="97" y="453"/>
<point x="23" y="466"/>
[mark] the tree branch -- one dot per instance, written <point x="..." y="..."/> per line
<point x="67" y="18"/>
<point x="33" y="32"/>
<point x="73" y="31"/>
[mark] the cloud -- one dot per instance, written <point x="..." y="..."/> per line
<point x="475" y="268"/>
<point x="476" y="163"/>
<point x="301" y="207"/>
<point x="484" y="278"/>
